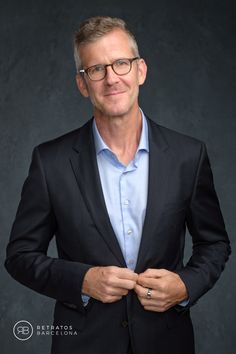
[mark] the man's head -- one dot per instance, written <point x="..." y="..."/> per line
<point x="96" y="27"/>
<point x="109" y="69"/>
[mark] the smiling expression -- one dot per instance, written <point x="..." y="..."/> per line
<point x="114" y="96"/>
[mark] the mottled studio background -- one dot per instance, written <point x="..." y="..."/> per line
<point x="189" y="47"/>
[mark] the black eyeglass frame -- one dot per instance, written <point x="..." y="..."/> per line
<point x="86" y="71"/>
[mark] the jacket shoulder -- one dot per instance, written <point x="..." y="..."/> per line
<point x="63" y="144"/>
<point x="173" y="138"/>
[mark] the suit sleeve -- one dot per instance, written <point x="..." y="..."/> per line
<point x="211" y="247"/>
<point x="33" y="228"/>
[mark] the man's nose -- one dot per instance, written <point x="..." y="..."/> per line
<point x="111" y="76"/>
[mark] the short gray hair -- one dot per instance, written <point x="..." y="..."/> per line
<point x="94" y="28"/>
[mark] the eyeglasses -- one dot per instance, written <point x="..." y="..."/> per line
<point x="99" y="71"/>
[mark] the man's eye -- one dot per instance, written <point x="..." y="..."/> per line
<point x="121" y="62"/>
<point x="96" y="69"/>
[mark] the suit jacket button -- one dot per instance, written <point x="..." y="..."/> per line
<point x="124" y="324"/>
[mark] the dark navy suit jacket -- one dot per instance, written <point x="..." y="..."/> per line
<point x="62" y="197"/>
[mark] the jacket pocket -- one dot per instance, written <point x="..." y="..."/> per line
<point x="175" y="318"/>
<point x="67" y="315"/>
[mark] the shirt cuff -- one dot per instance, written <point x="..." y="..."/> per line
<point x="184" y="303"/>
<point x="85" y="299"/>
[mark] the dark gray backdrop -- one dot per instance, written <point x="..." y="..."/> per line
<point x="189" y="47"/>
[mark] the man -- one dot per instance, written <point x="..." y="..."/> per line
<point x="118" y="194"/>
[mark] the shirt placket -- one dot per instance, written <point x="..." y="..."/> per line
<point x="127" y="221"/>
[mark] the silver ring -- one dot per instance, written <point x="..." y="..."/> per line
<point x="149" y="293"/>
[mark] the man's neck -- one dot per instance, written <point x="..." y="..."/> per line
<point x="121" y="134"/>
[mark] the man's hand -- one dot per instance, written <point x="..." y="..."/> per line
<point x="108" y="284"/>
<point x="167" y="289"/>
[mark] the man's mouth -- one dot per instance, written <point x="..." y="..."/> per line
<point x="114" y="93"/>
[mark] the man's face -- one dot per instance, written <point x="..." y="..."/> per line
<point x="114" y="96"/>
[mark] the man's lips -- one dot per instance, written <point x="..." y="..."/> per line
<point x="114" y="93"/>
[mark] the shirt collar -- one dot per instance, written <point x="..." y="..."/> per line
<point x="100" y="144"/>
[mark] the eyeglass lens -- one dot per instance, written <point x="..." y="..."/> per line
<point x="120" y="67"/>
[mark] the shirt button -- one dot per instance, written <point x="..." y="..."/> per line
<point x="129" y="232"/>
<point x="131" y="262"/>
<point x="124" y="324"/>
<point x="126" y="202"/>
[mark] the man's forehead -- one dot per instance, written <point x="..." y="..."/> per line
<point x="113" y="45"/>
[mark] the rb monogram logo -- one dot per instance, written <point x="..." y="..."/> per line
<point x="23" y="330"/>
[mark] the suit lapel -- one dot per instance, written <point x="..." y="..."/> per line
<point x="85" y="168"/>
<point x="159" y="170"/>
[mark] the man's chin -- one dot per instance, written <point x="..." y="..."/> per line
<point x="113" y="113"/>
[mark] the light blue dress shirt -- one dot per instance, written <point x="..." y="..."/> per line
<point x="125" y="192"/>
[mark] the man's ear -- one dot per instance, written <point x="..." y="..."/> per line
<point x="82" y="85"/>
<point x="142" y="71"/>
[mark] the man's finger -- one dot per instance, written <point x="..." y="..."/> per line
<point x="123" y="283"/>
<point x="116" y="291"/>
<point x="125" y="273"/>
<point x="152" y="283"/>
<point x="154" y="273"/>
<point x="107" y="299"/>
<point x="139" y="289"/>
<point x="142" y="293"/>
